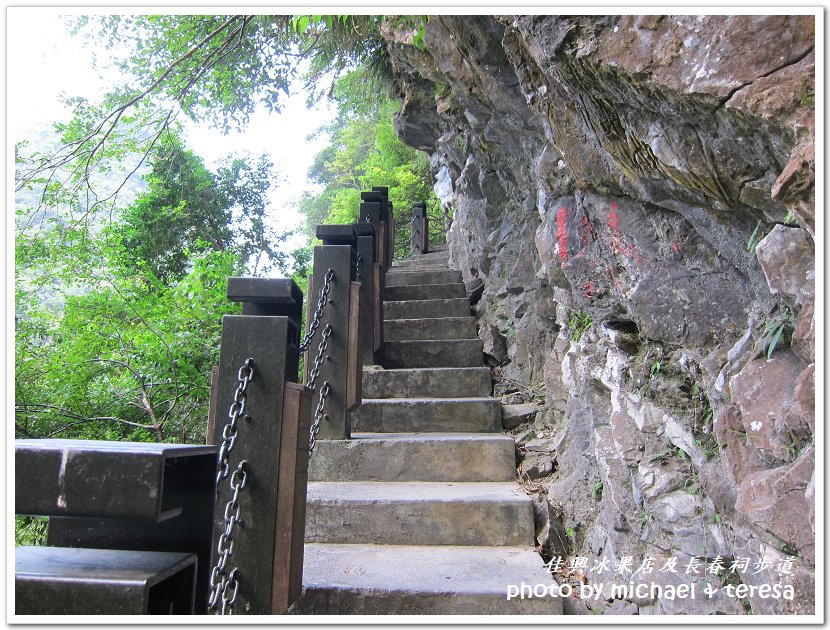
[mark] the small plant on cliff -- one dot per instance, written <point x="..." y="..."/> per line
<point x="806" y="93"/>
<point x="596" y="490"/>
<point x="692" y="483"/>
<point x="754" y="238"/>
<point x="578" y="324"/>
<point x="776" y="329"/>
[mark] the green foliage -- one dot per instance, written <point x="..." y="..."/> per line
<point x="578" y="324"/>
<point x="365" y="152"/>
<point x="754" y="238"/>
<point x="596" y="490"/>
<point x="807" y="92"/>
<point x="118" y="325"/>
<point x="212" y="68"/>
<point x="30" y="530"/>
<point x="129" y="360"/>
<point x="664" y="455"/>
<point x="188" y="209"/>
<point x="777" y="329"/>
<point x="692" y="483"/>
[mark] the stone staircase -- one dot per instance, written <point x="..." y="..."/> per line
<point x="421" y="513"/>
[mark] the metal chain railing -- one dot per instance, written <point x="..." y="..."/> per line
<point x="358" y="263"/>
<point x="318" y="314"/>
<point x="324" y="389"/>
<point x="321" y="349"/>
<point x="417" y="247"/>
<point x="225" y="585"/>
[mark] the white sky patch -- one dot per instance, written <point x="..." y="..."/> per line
<point x="45" y="61"/>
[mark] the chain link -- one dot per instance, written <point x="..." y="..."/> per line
<point x="225" y="586"/>
<point x="318" y="360"/>
<point x="318" y="314"/>
<point x="324" y="389"/>
<point x="318" y="416"/>
<point x="358" y="263"/>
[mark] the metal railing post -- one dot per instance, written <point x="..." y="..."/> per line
<point x="371" y="212"/>
<point x="420" y="228"/>
<point x="387" y="215"/>
<point x="334" y="368"/>
<point x="366" y="276"/>
<point x="263" y="430"/>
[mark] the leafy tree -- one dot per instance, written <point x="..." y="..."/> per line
<point x="211" y="68"/>
<point x="129" y="360"/>
<point x="118" y="309"/>
<point x="366" y="152"/>
<point x="187" y="208"/>
<point x="117" y="328"/>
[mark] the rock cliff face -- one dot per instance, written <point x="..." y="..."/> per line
<point x="636" y="195"/>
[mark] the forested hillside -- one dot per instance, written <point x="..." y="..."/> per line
<point x="119" y="295"/>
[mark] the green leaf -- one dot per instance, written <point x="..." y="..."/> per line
<point x="775" y="338"/>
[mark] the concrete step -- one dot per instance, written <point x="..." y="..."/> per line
<point x="421" y="309"/>
<point x="422" y="415"/>
<point x="433" y="255"/>
<point x="421" y="580"/>
<point x="425" y="292"/>
<point x="432" y="353"/>
<point x="427" y="383"/>
<point x="415" y="457"/>
<point x="430" y="328"/>
<point x="419" y="513"/>
<point x="426" y="261"/>
<point x="398" y="278"/>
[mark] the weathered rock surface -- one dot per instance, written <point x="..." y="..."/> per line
<point x="633" y="198"/>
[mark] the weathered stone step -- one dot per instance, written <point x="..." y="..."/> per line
<point x="420" y="513"/>
<point x="426" y="261"/>
<point x="421" y="309"/>
<point x="432" y="353"/>
<point x="427" y="382"/>
<point x="398" y="278"/>
<point x="425" y="292"/>
<point x="420" y="580"/>
<point x="430" y="329"/>
<point x="422" y="415"/>
<point x="433" y="255"/>
<point x="415" y="457"/>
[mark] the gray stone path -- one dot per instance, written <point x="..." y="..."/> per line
<point x="421" y="513"/>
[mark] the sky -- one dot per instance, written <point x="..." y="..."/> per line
<point x="45" y="60"/>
